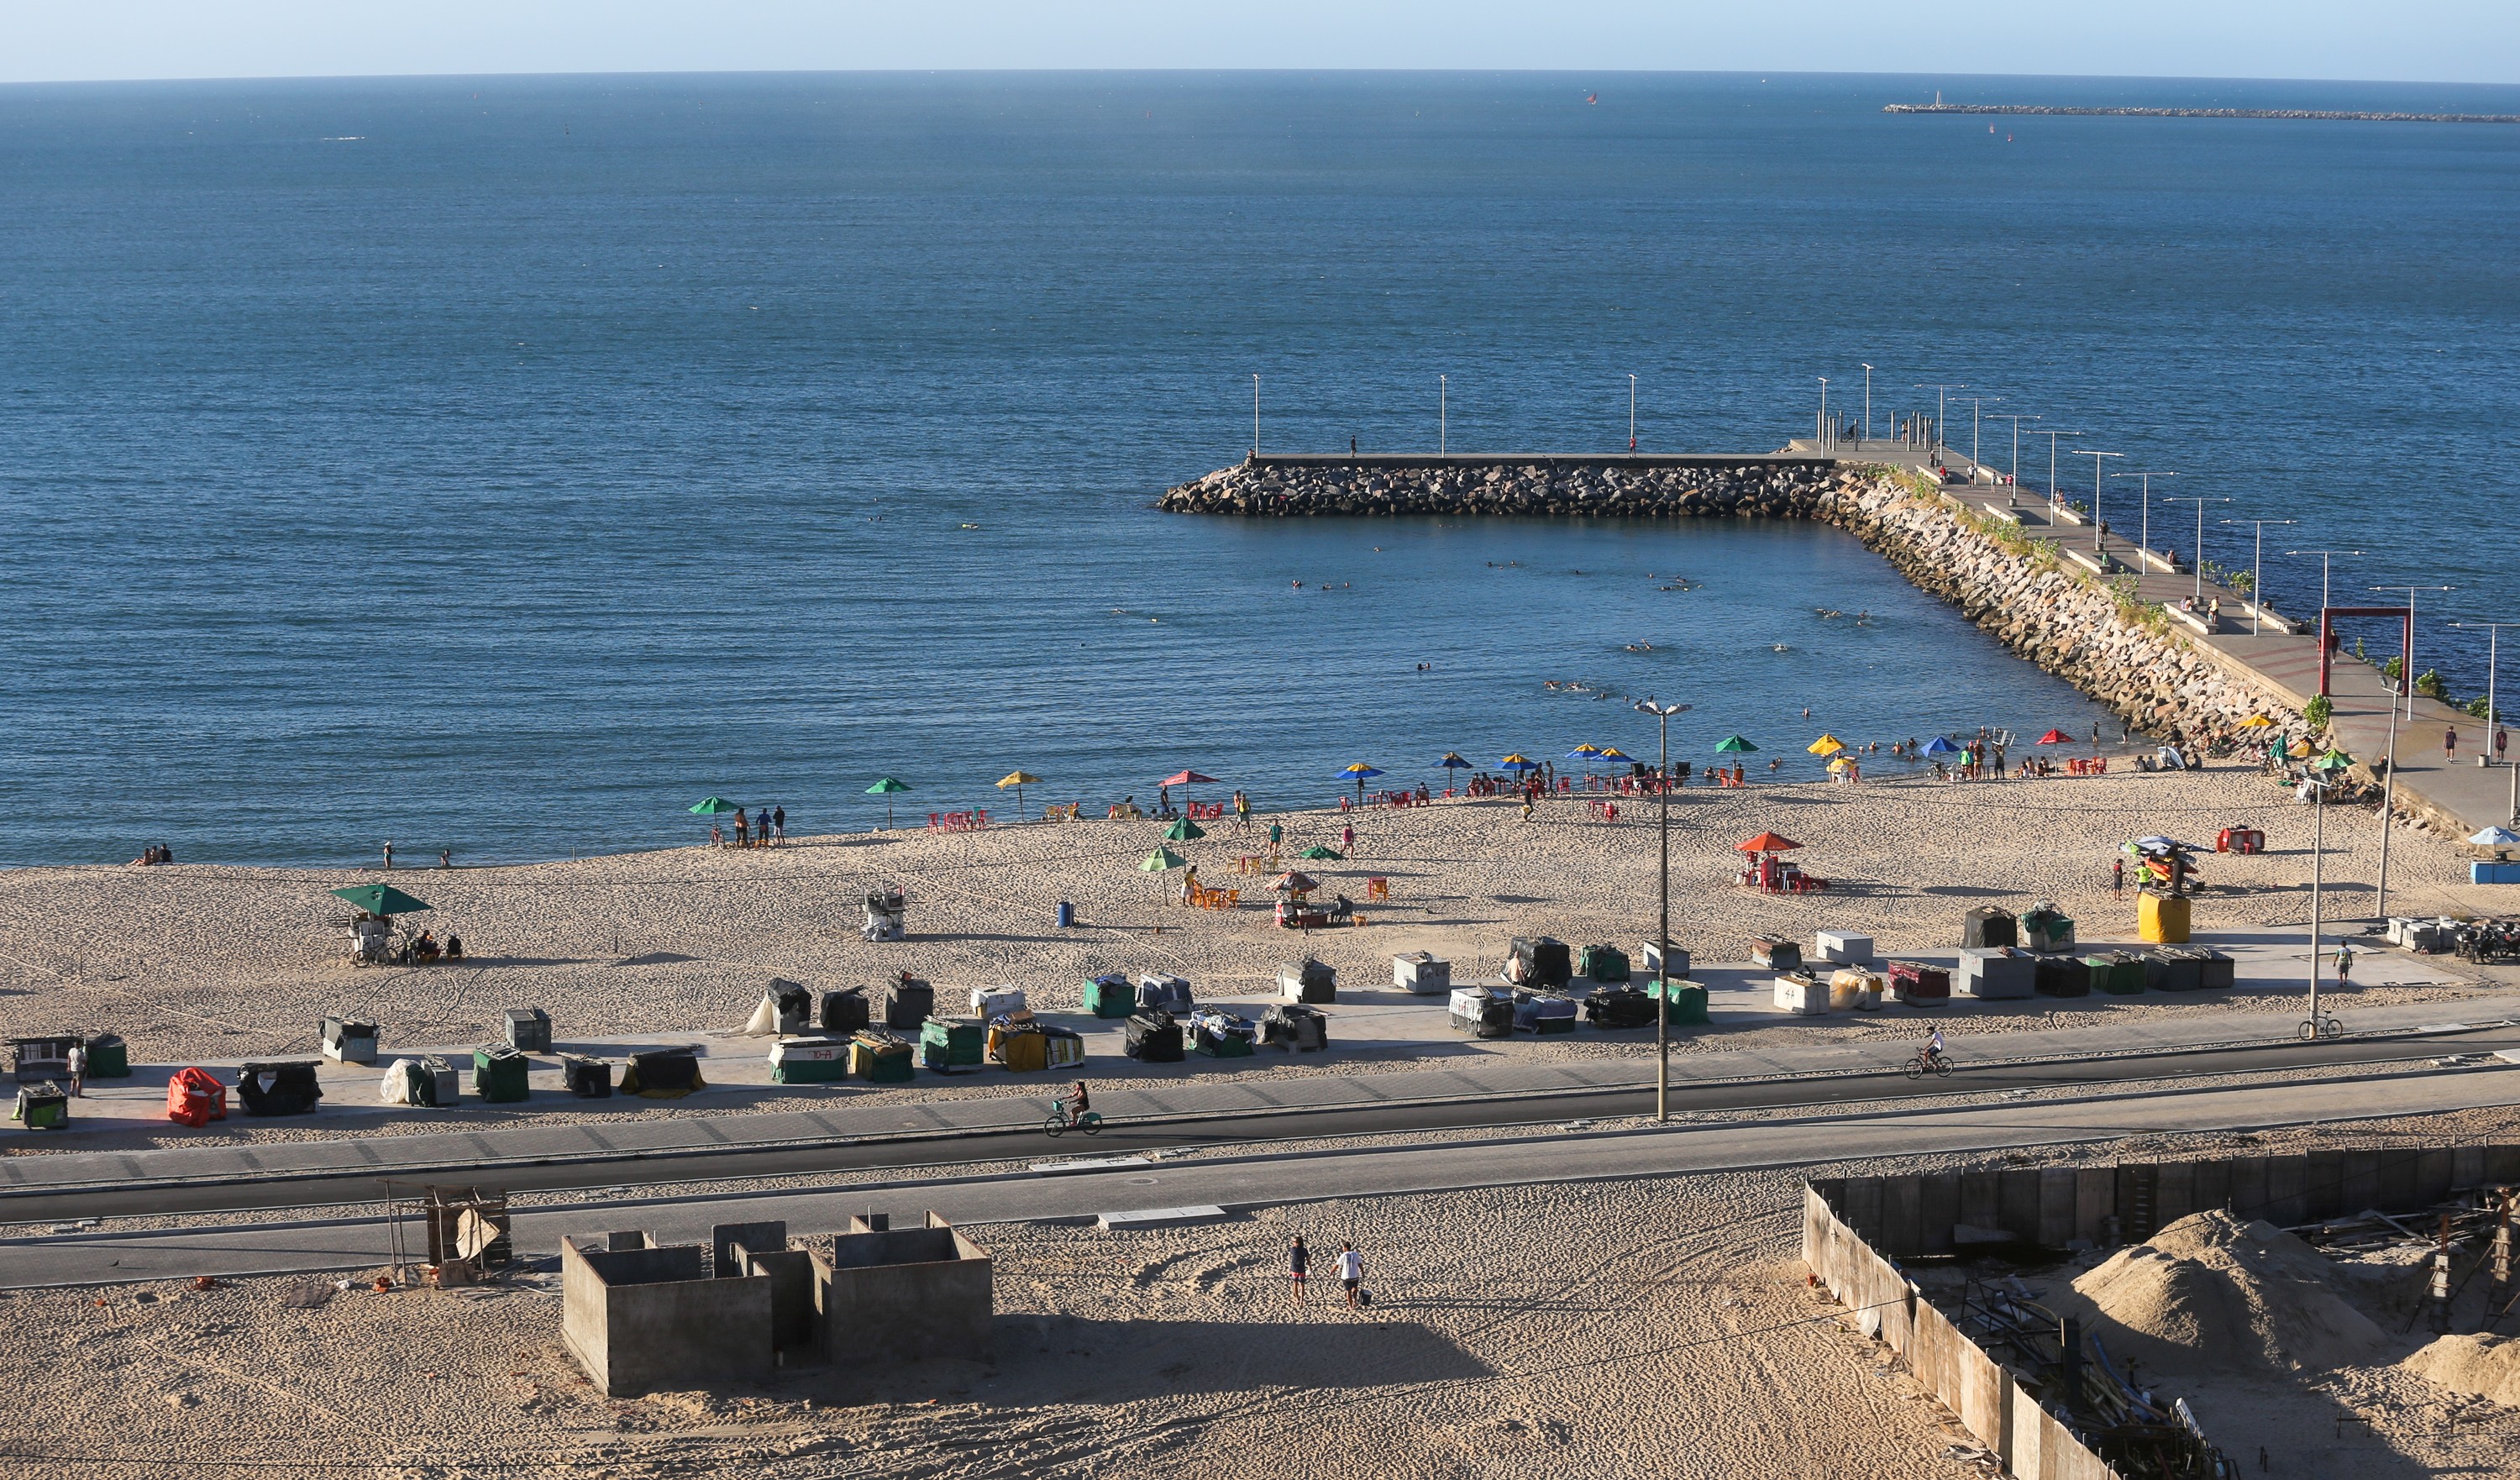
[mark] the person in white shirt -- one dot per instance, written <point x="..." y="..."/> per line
<point x="1351" y="1272"/>
<point x="78" y="1069"/>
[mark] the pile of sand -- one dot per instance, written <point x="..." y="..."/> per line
<point x="2211" y="1291"/>
<point x="2482" y="1366"/>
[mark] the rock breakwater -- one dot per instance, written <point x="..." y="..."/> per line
<point x="2126" y="657"/>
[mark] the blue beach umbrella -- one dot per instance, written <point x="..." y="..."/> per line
<point x="1360" y="769"/>
<point x="1941" y="746"/>
<point x="1518" y="762"/>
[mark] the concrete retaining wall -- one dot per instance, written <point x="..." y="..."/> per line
<point x="651" y="1319"/>
<point x="904" y="1294"/>
<point x="1918" y="1214"/>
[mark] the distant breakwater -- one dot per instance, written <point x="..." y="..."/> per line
<point x="2314" y="115"/>
<point x="2049" y="612"/>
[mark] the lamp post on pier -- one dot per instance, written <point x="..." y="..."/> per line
<point x="2016" y="418"/>
<point x="1868" y="404"/>
<point x="2196" y="557"/>
<point x="1443" y="412"/>
<point x="2492" y="711"/>
<point x="2143" y="526"/>
<point x="1255" y="418"/>
<point x="2258" y="571"/>
<point x="2051" y="438"/>
<point x="2084" y="452"/>
<point x="2326" y="562"/>
<point x="2388" y="787"/>
<point x="1662" y="714"/>
<point x="1976" y="412"/>
<point x="1632" y="414"/>
<point x="1941" y="390"/>
<point x="1825" y="429"/>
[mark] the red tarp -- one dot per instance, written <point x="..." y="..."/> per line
<point x="195" y="1098"/>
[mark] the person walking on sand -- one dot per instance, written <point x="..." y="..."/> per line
<point x="1526" y="806"/>
<point x="2449" y="744"/>
<point x="1351" y="1273"/>
<point x="2117" y="875"/>
<point x="1241" y="811"/>
<point x="1299" y="1260"/>
<point x="743" y="830"/>
<point x="779" y="819"/>
<point x="2344" y="964"/>
<point x="78" y="1069"/>
<point x="388" y="855"/>
<point x="1347" y="838"/>
<point x="1277" y="835"/>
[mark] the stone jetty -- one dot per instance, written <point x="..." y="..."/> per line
<point x="2054" y="614"/>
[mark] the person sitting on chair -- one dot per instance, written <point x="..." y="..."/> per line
<point x="454" y="946"/>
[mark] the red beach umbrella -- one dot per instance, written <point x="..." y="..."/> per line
<point x="1767" y="842"/>
<point x="1188" y="779"/>
<point x="2055" y="738"/>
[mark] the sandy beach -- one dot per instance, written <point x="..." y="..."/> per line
<point x="194" y="962"/>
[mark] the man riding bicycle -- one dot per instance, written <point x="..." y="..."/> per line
<point x="1933" y="1050"/>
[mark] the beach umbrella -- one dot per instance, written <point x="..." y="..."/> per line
<point x="1941" y="746"/>
<point x="1188" y="779"/>
<point x="711" y="806"/>
<point x="1360" y="769"/>
<point x="1827" y="745"/>
<point x="1453" y="761"/>
<point x="2257" y="722"/>
<point x="2302" y="749"/>
<point x="2054" y="738"/>
<point x="380" y="898"/>
<point x="2496" y="837"/>
<point x="887" y="789"/>
<point x="1293" y="882"/>
<point x="1019" y="780"/>
<point x="1320" y="851"/>
<point x="1184" y="830"/>
<point x="2334" y="760"/>
<point x="1518" y="762"/>
<point x="1765" y="842"/>
<point x="1161" y="860"/>
<point x="1734" y="744"/>
<point x="1839" y="763"/>
<point x="1613" y="753"/>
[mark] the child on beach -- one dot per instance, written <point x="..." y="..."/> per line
<point x="1298" y="1260"/>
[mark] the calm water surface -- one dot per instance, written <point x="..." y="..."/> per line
<point x="502" y="464"/>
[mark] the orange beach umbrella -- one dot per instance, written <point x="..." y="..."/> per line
<point x="1767" y="842"/>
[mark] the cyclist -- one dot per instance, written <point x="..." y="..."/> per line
<point x="1932" y="1053"/>
<point x="1075" y="1103"/>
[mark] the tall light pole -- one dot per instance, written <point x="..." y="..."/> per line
<point x="1976" y="414"/>
<point x="2492" y="667"/>
<point x="2143" y="526"/>
<point x="2197" y="556"/>
<point x="1662" y="714"/>
<point x="2319" y="779"/>
<point x="1632" y="414"/>
<point x="2051" y="438"/>
<point x="2388" y="787"/>
<point x="1443" y="412"/>
<point x="1941" y="390"/>
<point x="1868" y="404"/>
<point x="2326" y="562"/>
<point x="1255" y="418"/>
<point x="2085" y="452"/>
<point x="1824" y="411"/>
<point x="2016" y="418"/>
<point x="2258" y="571"/>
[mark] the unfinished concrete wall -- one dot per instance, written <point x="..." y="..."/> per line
<point x="2052" y="1207"/>
<point x="2044" y="1449"/>
<point x="651" y="1320"/>
<point x="903" y="1294"/>
<point x="795" y="1330"/>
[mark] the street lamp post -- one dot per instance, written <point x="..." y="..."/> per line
<point x="1941" y="390"/>
<point x="2085" y="452"/>
<point x="2016" y="418"/>
<point x="2494" y="712"/>
<point x="1868" y="404"/>
<point x="2197" y="556"/>
<point x="2326" y="563"/>
<point x="2388" y="787"/>
<point x="1255" y="417"/>
<point x="1443" y="413"/>
<point x="2051" y="438"/>
<point x="2258" y="571"/>
<point x="2144" y="525"/>
<point x="2317" y="1027"/>
<point x="1826" y="437"/>
<point x="1632" y="413"/>
<point x="1662" y="714"/>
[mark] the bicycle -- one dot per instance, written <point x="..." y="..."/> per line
<point x="1939" y="1065"/>
<point x="2321" y="1026"/>
<point x="1060" y="1123"/>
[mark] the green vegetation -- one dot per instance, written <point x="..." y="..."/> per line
<point x="2429" y="683"/>
<point x="2481" y="709"/>
<point x="2319" y="711"/>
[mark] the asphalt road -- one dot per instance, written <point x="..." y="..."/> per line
<point x="1248" y="1180"/>
<point x="1243" y="1130"/>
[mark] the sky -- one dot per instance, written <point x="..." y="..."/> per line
<point x="2405" y="41"/>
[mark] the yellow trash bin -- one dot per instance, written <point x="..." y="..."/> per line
<point x="2161" y="918"/>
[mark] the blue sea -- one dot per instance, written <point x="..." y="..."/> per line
<point x="502" y="464"/>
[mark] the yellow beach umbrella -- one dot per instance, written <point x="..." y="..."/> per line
<point x="1019" y="780"/>
<point x="2257" y="722"/>
<point x="1840" y="763"/>
<point x="1827" y="745"/>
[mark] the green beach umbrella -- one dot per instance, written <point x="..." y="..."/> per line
<point x="1162" y="860"/>
<point x="712" y="806"/>
<point x="2333" y="760"/>
<point x="380" y="898"/>
<point x="887" y="789"/>
<point x="1184" y="830"/>
<point x="1734" y="744"/>
<point x="1318" y="851"/>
